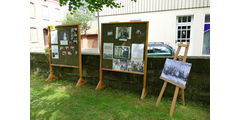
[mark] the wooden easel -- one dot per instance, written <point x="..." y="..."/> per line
<point x="52" y="77"/>
<point x="177" y="86"/>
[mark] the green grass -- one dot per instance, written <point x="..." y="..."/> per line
<point x="60" y="100"/>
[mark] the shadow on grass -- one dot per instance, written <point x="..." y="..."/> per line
<point x="60" y="100"/>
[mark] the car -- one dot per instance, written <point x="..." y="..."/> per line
<point x="159" y="49"/>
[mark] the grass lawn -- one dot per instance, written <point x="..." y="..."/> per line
<point x="60" y="100"/>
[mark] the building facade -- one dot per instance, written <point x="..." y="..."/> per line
<point x="170" y="21"/>
<point x="43" y="14"/>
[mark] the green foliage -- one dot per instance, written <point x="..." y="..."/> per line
<point x="81" y="16"/>
<point x="91" y="5"/>
<point x="46" y="50"/>
<point x="60" y="100"/>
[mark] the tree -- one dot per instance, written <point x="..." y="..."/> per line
<point x="81" y="16"/>
<point x="91" y="5"/>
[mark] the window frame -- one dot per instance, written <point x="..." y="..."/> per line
<point x="36" y="40"/>
<point x="204" y="33"/>
<point x="57" y="19"/>
<point x="34" y="11"/>
<point x="43" y="12"/>
<point x="184" y="24"/>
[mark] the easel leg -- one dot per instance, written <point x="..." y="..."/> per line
<point x="182" y="94"/>
<point x="161" y="93"/>
<point x="51" y="78"/>
<point x="80" y="82"/>
<point x="174" y="101"/>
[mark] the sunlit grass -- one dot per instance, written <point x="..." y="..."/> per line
<point x="60" y="100"/>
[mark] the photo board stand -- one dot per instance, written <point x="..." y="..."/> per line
<point x="177" y="86"/>
<point x="144" y="73"/>
<point x="52" y="77"/>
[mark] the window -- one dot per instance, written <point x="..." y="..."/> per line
<point x="57" y="14"/>
<point x="184" y="28"/>
<point x="206" y="36"/>
<point x="33" y="34"/>
<point x="45" y="12"/>
<point x="32" y="10"/>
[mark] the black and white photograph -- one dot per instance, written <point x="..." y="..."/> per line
<point x="107" y="50"/>
<point x="116" y="64"/>
<point x="176" y="71"/>
<point x="136" y="66"/>
<point x="109" y="33"/>
<point x="122" y="52"/>
<point x="123" y="65"/>
<point x="55" y="54"/>
<point x="123" y="33"/>
<point x="138" y="32"/>
<point x="63" y="35"/>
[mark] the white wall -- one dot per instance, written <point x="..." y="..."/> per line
<point x="162" y="26"/>
<point x="39" y="23"/>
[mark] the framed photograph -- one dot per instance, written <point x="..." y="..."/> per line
<point x="55" y="54"/>
<point x="116" y="64"/>
<point x="122" y="52"/>
<point x="137" y="52"/>
<point x="136" y="66"/>
<point x="63" y="35"/>
<point x="107" y="50"/>
<point x="123" y="33"/>
<point x="54" y="37"/>
<point x="176" y="71"/>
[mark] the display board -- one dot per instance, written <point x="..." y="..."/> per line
<point x="65" y="46"/>
<point x="176" y="73"/>
<point x="65" y="49"/>
<point x="124" y="49"/>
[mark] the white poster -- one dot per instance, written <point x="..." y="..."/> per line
<point x="63" y="42"/>
<point x="54" y="37"/>
<point x="107" y="50"/>
<point x="55" y="54"/>
<point x="137" y="52"/>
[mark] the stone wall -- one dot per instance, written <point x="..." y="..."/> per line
<point x="197" y="88"/>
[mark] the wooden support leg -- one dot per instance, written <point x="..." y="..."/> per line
<point x="182" y="94"/>
<point x="100" y="86"/>
<point x="100" y="83"/>
<point x="144" y="93"/>
<point x="174" y="101"/>
<point x="80" y="82"/>
<point x="161" y="93"/>
<point x="51" y="78"/>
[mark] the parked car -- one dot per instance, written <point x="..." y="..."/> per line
<point x="159" y="49"/>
